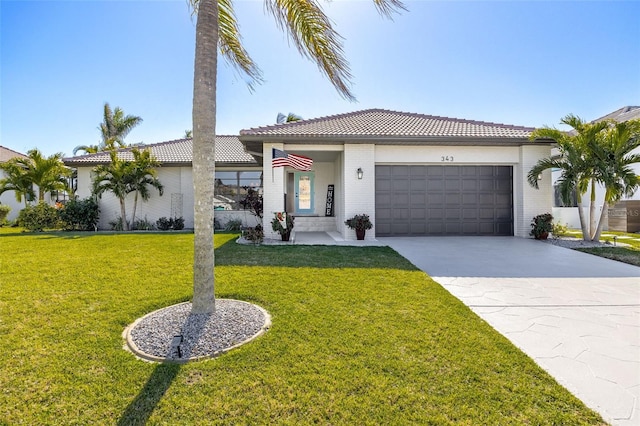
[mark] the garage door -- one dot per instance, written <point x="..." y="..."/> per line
<point x="444" y="200"/>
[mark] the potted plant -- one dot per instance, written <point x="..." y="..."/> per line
<point x="541" y="226"/>
<point x="360" y="223"/>
<point x="282" y="223"/>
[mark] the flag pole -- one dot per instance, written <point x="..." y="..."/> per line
<point x="272" y="177"/>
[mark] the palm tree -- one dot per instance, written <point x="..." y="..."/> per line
<point x="592" y="153"/>
<point x="311" y="32"/>
<point x="114" y="128"/>
<point x="47" y="173"/>
<point x="289" y="118"/>
<point x="114" y="177"/>
<point x="16" y="180"/>
<point x="614" y="156"/>
<point x="122" y="177"/>
<point x="143" y="175"/>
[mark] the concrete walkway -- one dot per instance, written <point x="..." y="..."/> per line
<point x="576" y="315"/>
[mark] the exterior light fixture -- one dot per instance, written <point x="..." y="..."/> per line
<point x="359" y="172"/>
<point x="540" y="176"/>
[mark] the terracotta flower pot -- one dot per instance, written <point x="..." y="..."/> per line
<point x="360" y="234"/>
<point x="542" y="236"/>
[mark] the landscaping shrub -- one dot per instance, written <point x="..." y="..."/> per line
<point x="143" y="225"/>
<point x="80" y="215"/>
<point x="4" y="212"/>
<point x="117" y="224"/>
<point x="37" y="218"/>
<point x="234" y="225"/>
<point x="558" y="230"/>
<point x="165" y="224"/>
<point x="254" y="234"/>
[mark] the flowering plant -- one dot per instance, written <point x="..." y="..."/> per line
<point x="359" y="222"/>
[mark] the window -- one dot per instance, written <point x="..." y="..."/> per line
<point x="231" y="187"/>
<point x="557" y="198"/>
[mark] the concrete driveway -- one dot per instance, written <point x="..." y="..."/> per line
<point x="576" y="315"/>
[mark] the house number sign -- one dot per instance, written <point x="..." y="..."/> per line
<point x="446" y="158"/>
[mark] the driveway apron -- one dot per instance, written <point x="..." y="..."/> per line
<point x="575" y="314"/>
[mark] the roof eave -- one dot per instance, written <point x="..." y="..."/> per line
<point x="249" y="141"/>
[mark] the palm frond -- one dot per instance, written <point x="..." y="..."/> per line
<point x="230" y="42"/>
<point x="311" y="32"/>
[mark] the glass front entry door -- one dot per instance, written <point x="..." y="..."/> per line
<point x="303" y="193"/>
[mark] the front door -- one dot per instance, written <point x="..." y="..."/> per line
<point x="303" y="182"/>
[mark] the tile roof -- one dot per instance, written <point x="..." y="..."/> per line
<point x="7" y="154"/>
<point x="623" y="114"/>
<point x="176" y="152"/>
<point x="377" y="123"/>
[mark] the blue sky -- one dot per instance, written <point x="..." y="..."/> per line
<point x="515" y="62"/>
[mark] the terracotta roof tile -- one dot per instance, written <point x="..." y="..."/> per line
<point x="623" y="114"/>
<point x="7" y="154"/>
<point x="228" y="150"/>
<point x="385" y="123"/>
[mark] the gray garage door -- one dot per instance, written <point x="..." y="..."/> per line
<point x="444" y="200"/>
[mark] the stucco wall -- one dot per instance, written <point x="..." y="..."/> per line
<point x="528" y="201"/>
<point x="272" y="198"/>
<point x="176" y="201"/>
<point x="359" y="194"/>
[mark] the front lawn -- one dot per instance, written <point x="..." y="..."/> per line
<point x="359" y="336"/>
<point x="628" y="254"/>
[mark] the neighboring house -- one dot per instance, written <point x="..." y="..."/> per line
<point x="569" y="215"/>
<point x="235" y="172"/>
<point x="9" y="197"/>
<point x="420" y="174"/>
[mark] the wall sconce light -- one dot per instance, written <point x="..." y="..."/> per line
<point x="540" y="176"/>
<point x="359" y="172"/>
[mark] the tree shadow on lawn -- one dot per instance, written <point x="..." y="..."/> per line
<point x="140" y="409"/>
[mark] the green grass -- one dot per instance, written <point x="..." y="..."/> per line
<point x="359" y="336"/>
<point x="630" y="254"/>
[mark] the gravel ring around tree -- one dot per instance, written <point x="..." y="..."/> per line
<point x="173" y="334"/>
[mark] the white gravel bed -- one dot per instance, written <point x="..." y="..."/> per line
<point x="573" y="243"/>
<point x="203" y="335"/>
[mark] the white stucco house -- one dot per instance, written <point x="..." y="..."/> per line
<point x="569" y="214"/>
<point x="235" y="172"/>
<point x="413" y="174"/>
<point x="9" y="197"/>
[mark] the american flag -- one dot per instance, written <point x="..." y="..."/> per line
<point x="282" y="158"/>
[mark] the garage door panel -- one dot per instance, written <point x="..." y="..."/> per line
<point x="418" y="214"/>
<point x="452" y="198"/>
<point x="435" y="185"/>
<point x="452" y="213"/>
<point x="469" y="213"/>
<point x="486" y="214"/>
<point x="418" y="198"/>
<point x="417" y="184"/>
<point x="470" y="199"/>
<point x="444" y="200"/>
<point x="402" y="198"/>
<point x="435" y="199"/>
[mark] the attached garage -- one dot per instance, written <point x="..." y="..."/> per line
<point x="413" y="200"/>
<point x="412" y="174"/>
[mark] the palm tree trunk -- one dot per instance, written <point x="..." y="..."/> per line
<point x="603" y="215"/>
<point x="204" y="125"/>
<point x="592" y="211"/>
<point x="123" y="215"/>
<point x="583" y="222"/>
<point x="135" y="205"/>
